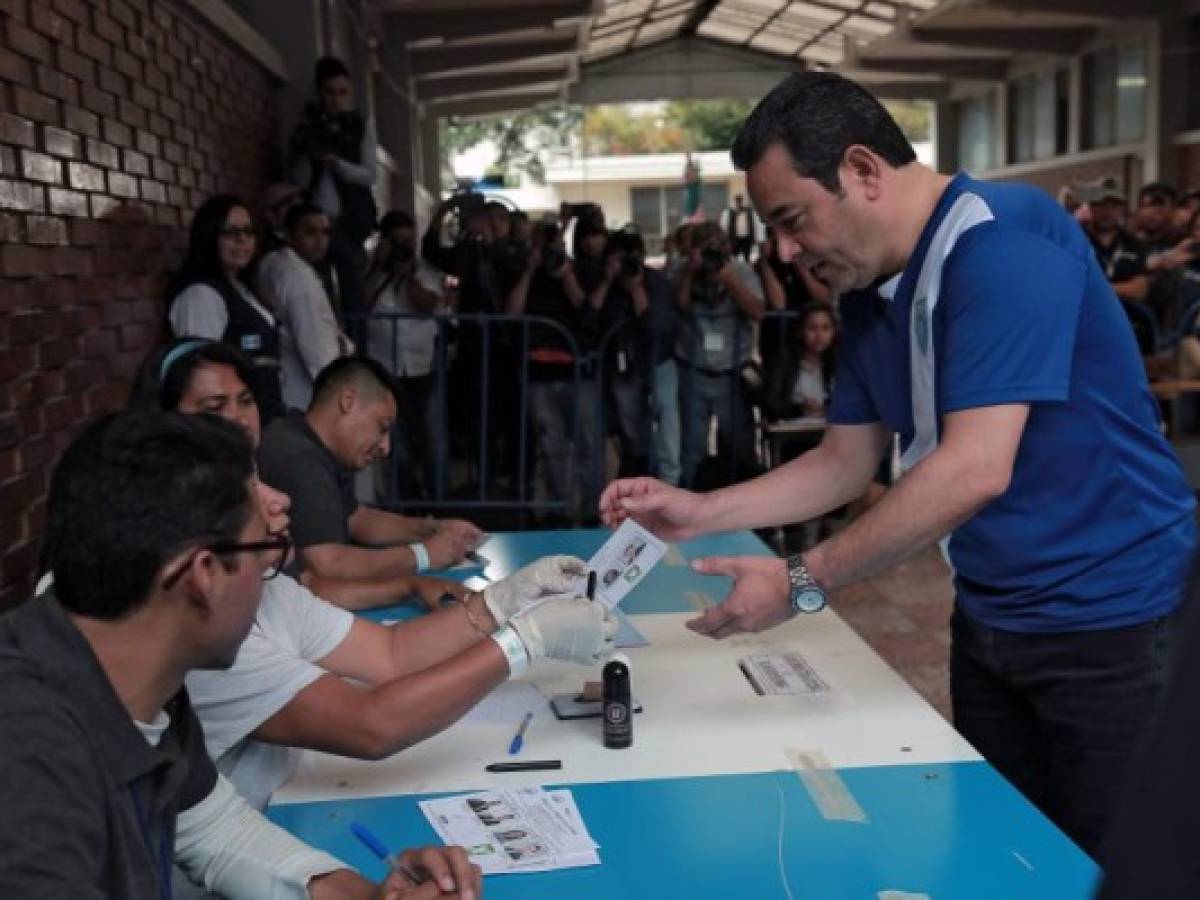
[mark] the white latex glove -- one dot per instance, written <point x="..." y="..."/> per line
<point x="571" y="629"/>
<point x="530" y="585"/>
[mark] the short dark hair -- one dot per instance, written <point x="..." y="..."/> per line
<point x="1159" y="190"/>
<point x="302" y="211"/>
<point x="358" y="370"/>
<point x="132" y="491"/>
<point x="165" y="375"/>
<point x="396" y="218"/>
<point x="328" y="67"/>
<point x="817" y="116"/>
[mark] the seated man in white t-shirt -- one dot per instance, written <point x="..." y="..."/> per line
<point x="309" y="337"/>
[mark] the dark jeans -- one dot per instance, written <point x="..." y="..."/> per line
<point x="1059" y="715"/>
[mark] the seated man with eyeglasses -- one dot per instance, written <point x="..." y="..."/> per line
<point x="158" y="544"/>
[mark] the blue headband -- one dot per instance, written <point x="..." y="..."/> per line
<point x="174" y="356"/>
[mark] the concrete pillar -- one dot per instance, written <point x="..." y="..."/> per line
<point x="397" y="122"/>
<point x="1166" y="94"/>
<point x="295" y="28"/>
<point x="431" y="152"/>
<point x="945" y="136"/>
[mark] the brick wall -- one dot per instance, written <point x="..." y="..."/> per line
<point x="1188" y="171"/>
<point x="117" y="118"/>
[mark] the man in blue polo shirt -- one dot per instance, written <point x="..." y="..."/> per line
<point x="978" y="326"/>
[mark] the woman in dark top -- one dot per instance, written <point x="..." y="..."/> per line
<point x="801" y="382"/>
<point x="211" y="295"/>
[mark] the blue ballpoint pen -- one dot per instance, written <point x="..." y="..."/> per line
<point x="376" y="846"/>
<point x="518" y="740"/>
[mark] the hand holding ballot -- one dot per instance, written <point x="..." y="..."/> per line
<point x="446" y="872"/>
<point x="671" y="513"/>
<point x="570" y="629"/>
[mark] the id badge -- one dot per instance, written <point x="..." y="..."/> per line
<point x="714" y="342"/>
<point x="251" y="342"/>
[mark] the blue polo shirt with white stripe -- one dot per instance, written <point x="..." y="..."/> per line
<point x="1003" y="302"/>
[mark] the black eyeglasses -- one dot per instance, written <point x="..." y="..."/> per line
<point x="281" y="542"/>
<point x="237" y="231"/>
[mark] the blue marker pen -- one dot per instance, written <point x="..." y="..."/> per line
<point x="376" y="846"/>
<point x="518" y="740"/>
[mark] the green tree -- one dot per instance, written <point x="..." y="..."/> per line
<point x="913" y="117"/>
<point x="522" y="140"/>
<point x="710" y="124"/>
<point x="615" y="130"/>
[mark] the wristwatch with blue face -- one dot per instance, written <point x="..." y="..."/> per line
<point x="806" y="595"/>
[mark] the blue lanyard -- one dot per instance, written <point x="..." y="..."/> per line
<point x="162" y="872"/>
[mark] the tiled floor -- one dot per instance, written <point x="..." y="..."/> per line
<point x="904" y="614"/>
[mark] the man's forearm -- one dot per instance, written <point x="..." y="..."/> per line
<point x="358" y="593"/>
<point x="937" y="496"/>
<point x="419" y="643"/>
<point x="378" y="528"/>
<point x="811" y="485"/>
<point x="345" y="561"/>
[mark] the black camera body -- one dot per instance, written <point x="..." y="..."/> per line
<point x="323" y="133"/>
<point x="467" y="203"/>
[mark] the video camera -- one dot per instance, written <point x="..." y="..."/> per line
<point x="322" y="133"/>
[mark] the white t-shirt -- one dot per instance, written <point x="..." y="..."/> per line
<point x="404" y="346"/>
<point x="293" y="629"/>
<point x="810" y="386"/>
<point x="308" y="329"/>
<point x="199" y="311"/>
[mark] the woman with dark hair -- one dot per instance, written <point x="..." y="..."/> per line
<point x="211" y="296"/>
<point x="801" y="382"/>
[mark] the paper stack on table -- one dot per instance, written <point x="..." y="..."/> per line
<point x="518" y="830"/>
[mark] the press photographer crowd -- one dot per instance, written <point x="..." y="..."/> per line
<point x="535" y="357"/>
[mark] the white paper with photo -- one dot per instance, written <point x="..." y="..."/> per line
<point x="624" y="560"/>
<point x="514" y="830"/>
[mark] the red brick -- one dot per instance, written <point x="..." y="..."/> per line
<point x="85" y="177"/>
<point x="81" y="121"/>
<point x="104" y="206"/>
<point x="86" y="232"/>
<point x="153" y="191"/>
<point x="131" y="114"/>
<point x="22" y="261"/>
<point x="51" y="24"/>
<point x="23" y="329"/>
<point x="75" y="64"/>
<point x="120" y="185"/>
<point x="36" y="452"/>
<point x="20" y="559"/>
<point x="103" y="154"/>
<point x="144" y="97"/>
<point x="58" y="142"/>
<point x="8" y="162"/>
<point x="11" y="232"/>
<point x="62" y="411"/>
<point x="8" y="468"/>
<point x="109" y="29"/>
<point x="70" y="261"/>
<point x="116" y="133"/>
<point x="27" y="42"/>
<point x="68" y="203"/>
<point x="171" y="109"/>
<point x="133" y="337"/>
<point x="162" y="170"/>
<point x="75" y="10"/>
<point x="56" y="84"/>
<point x="128" y="65"/>
<point x="52" y="355"/>
<point x="35" y="106"/>
<point x="15" y="130"/>
<point x="135" y="163"/>
<point x="123" y="13"/>
<point x="14" y="67"/>
<point x="111" y="81"/>
<point x="40" y="167"/>
<point x="100" y="102"/>
<point x="100" y="344"/>
<point x="93" y="47"/>
<point x="155" y="78"/>
<point x="45" y="230"/>
<point x="174" y="153"/>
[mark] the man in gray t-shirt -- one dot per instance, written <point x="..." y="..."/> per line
<point x="312" y="459"/>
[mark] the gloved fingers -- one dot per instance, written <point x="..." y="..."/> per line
<point x="558" y="574"/>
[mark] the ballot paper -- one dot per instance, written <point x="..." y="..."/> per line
<point x="518" y="830"/>
<point x="782" y="673"/>
<point x="625" y="559"/>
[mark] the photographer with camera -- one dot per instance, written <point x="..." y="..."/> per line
<point x="720" y="299"/>
<point x="639" y="356"/>
<point x="549" y="288"/>
<point x="399" y="282"/>
<point x="333" y="158"/>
